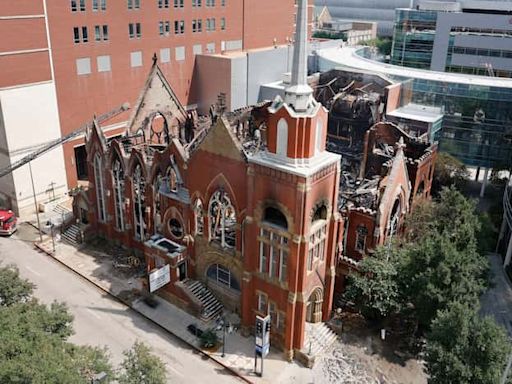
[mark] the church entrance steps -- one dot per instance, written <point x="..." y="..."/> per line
<point x="211" y="307"/>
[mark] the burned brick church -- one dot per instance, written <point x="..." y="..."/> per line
<point x="248" y="208"/>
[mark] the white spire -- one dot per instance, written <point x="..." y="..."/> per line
<point x="299" y="94"/>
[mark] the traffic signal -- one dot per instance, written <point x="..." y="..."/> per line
<point x="259" y="328"/>
<point x="267" y="327"/>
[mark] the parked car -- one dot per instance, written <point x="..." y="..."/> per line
<point x="7" y="222"/>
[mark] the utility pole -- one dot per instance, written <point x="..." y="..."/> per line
<point x="35" y="202"/>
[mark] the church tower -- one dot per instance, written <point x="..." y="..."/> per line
<point x="292" y="220"/>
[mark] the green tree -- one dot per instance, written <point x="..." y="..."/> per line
<point x="464" y="348"/>
<point x="13" y="289"/>
<point x="33" y="346"/>
<point x="433" y="272"/>
<point x="140" y="366"/>
<point x="448" y="171"/>
<point x="384" y="45"/>
<point x="374" y="289"/>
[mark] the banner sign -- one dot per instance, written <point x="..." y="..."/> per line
<point x="159" y="277"/>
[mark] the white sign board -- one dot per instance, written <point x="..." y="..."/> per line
<point x="159" y="277"/>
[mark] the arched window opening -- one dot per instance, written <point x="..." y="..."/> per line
<point x="317" y="237"/>
<point x="100" y="193"/>
<point x="421" y="189"/>
<point x="159" y="130"/>
<point x="172" y="179"/>
<point x="157" y="204"/>
<point x="320" y="213"/>
<point x="361" y="235"/>
<point x="319" y="136"/>
<point x="222" y="275"/>
<point x="314" y="306"/>
<point x="176" y="228"/>
<point x="275" y="217"/>
<point x="118" y="181"/>
<point x="222" y="219"/>
<point x="394" y="219"/>
<point x="198" y="217"/>
<point x="139" y="203"/>
<point x="282" y="138"/>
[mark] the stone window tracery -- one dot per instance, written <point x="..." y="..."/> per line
<point x="274" y="245"/>
<point x="394" y="219"/>
<point x="317" y="237"/>
<point x="172" y="179"/>
<point x="118" y="180"/>
<point x="139" y="203"/>
<point x="100" y="193"/>
<point x="156" y="198"/>
<point x="222" y="220"/>
<point x="198" y="217"/>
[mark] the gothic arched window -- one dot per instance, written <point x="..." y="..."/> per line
<point x="198" y="217"/>
<point x="139" y="203"/>
<point x="100" y="193"/>
<point x="222" y="220"/>
<point x="118" y="180"/>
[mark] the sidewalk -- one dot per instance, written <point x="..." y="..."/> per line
<point x="239" y="351"/>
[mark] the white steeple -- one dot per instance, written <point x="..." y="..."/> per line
<point x="299" y="94"/>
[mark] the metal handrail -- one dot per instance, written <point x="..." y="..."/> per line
<point x="507" y="204"/>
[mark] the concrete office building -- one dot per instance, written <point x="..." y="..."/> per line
<point x="63" y="62"/>
<point x="473" y="37"/>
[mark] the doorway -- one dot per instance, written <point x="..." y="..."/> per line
<point x="314" y="306"/>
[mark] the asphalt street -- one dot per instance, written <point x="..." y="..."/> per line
<point x="102" y="321"/>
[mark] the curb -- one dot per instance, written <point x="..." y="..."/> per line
<point x="126" y="303"/>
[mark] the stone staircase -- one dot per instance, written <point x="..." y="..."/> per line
<point x="211" y="307"/>
<point x="318" y="339"/>
<point x="72" y="235"/>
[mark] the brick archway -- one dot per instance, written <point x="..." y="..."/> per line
<point x="314" y="306"/>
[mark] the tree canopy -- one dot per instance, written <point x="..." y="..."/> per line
<point x="34" y="346"/>
<point x="464" y="348"/>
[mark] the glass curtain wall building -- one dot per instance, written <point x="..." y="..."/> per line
<point x="476" y="41"/>
<point x="477" y="124"/>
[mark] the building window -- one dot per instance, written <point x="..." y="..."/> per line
<point x="163" y="3"/>
<point x="83" y="66"/>
<point x="210" y="3"/>
<point x="82" y="5"/>
<point x="74" y="6"/>
<point x="134" y="30"/>
<point x="179" y="3"/>
<point x="180" y="53"/>
<point x="133" y="4"/>
<point x="80" y="35"/>
<point x="196" y="3"/>
<point x="164" y="27"/>
<point x="197" y="49"/>
<point x="223" y="23"/>
<point x="276" y="316"/>
<point x="98" y="181"/>
<point x="317" y="245"/>
<point x="179" y="27"/>
<point x="136" y="59"/>
<point x="176" y="228"/>
<point x="96" y="5"/>
<point x="222" y="3"/>
<point x="103" y="63"/>
<point x="361" y="234"/>
<point x="118" y="181"/>
<point x="172" y="179"/>
<point x="139" y="203"/>
<point x="274" y="245"/>
<point x="101" y="32"/>
<point x="197" y="26"/>
<point x="222" y="275"/>
<point x="222" y="219"/>
<point x="165" y="55"/>
<point x="262" y="303"/>
<point x="198" y="217"/>
<point x="210" y="24"/>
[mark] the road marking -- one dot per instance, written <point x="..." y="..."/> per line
<point x="93" y="313"/>
<point x="34" y="272"/>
